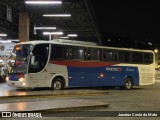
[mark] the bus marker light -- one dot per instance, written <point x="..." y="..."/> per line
<point x="18" y="48"/>
<point x="101" y="75"/>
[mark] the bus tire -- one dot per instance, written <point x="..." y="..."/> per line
<point x="128" y="83"/>
<point x="57" y="84"/>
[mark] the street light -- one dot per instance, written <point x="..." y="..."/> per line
<point x="64" y="37"/>
<point x="72" y="35"/>
<point x="3" y="35"/>
<point x="57" y="15"/>
<point x="52" y="33"/>
<point x="156" y="50"/>
<point x="43" y="2"/>
<point x="44" y="28"/>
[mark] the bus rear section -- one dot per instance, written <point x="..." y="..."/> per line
<point x="146" y="75"/>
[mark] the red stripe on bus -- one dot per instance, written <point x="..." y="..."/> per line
<point x="20" y="75"/>
<point x="83" y="63"/>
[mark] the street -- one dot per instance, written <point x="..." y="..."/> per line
<point x="139" y="99"/>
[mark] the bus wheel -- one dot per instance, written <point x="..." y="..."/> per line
<point x="128" y="84"/>
<point x="57" y="84"/>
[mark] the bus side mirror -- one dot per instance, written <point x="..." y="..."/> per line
<point x="32" y="60"/>
<point x="34" y="63"/>
<point x="31" y="54"/>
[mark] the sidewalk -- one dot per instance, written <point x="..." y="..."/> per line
<point x="62" y="104"/>
<point x="7" y="91"/>
<point x="22" y="93"/>
<point x="54" y="105"/>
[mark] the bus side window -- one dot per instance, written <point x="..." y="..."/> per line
<point x="148" y="58"/>
<point x="137" y="57"/>
<point x="109" y="55"/>
<point x="78" y="53"/>
<point x="121" y="56"/>
<point x="88" y="54"/>
<point x="94" y="54"/>
<point x="59" y="52"/>
<point x="124" y="56"/>
<point x="127" y="57"/>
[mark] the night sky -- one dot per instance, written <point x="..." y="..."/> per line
<point x="135" y="23"/>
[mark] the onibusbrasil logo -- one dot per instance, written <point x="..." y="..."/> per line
<point x="20" y="115"/>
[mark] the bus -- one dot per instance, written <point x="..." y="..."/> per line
<point x="59" y="65"/>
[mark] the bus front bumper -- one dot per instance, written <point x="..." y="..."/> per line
<point x="20" y="84"/>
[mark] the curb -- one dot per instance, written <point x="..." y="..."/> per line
<point x="71" y="109"/>
<point x="56" y="95"/>
<point x="62" y="110"/>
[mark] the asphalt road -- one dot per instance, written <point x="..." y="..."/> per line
<point x="138" y="100"/>
<point x="143" y="99"/>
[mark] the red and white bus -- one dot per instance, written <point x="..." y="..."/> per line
<point x="59" y="65"/>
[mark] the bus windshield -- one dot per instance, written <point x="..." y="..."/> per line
<point x="20" y="55"/>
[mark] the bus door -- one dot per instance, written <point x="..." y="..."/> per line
<point x="38" y="74"/>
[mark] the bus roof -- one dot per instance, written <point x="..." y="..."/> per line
<point x="84" y="45"/>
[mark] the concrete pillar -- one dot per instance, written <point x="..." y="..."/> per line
<point x="24" y="23"/>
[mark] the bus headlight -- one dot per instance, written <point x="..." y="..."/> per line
<point x="21" y="79"/>
<point x="24" y="84"/>
<point x="7" y="78"/>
